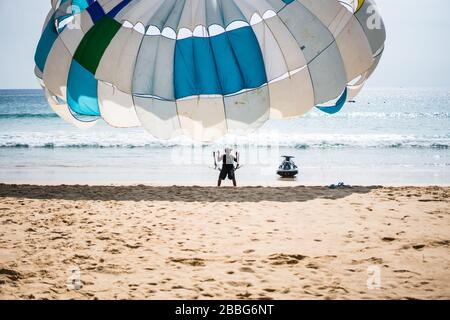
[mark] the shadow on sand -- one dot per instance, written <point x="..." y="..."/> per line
<point x="176" y="193"/>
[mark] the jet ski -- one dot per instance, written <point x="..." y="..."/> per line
<point x="287" y="169"/>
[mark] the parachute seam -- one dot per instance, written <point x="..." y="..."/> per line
<point x="217" y="73"/>
<point x="126" y="9"/>
<point x="321" y="52"/>
<point x="132" y="80"/>
<point x="173" y="63"/>
<point x="284" y="59"/>
<point x="307" y="64"/>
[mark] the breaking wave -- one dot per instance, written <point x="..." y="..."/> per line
<point x="143" y="140"/>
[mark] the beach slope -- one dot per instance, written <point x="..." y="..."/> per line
<point x="207" y="243"/>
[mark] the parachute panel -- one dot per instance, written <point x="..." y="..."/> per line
<point x="158" y="117"/>
<point x="116" y="107"/>
<point x="57" y="70"/>
<point x="248" y="110"/>
<point x="292" y="96"/>
<point x="202" y="118"/>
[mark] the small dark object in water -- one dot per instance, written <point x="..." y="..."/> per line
<point x="287" y="169"/>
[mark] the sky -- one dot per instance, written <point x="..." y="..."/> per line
<point x="417" y="48"/>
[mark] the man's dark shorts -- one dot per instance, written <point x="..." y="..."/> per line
<point x="227" y="170"/>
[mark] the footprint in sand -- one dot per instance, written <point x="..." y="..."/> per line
<point x="439" y="243"/>
<point x="10" y="274"/>
<point x="246" y="269"/>
<point x="240" y="284"/>
<point x="280" y="259"/>
<point x="372" y="260"/>
<point x="133" y="246"/>
<point x="245" y="295"/>
<point x="195" y="262"/>
<point x="312" y="265"/>
<point x="103" y="238"/>
<point x="405" y="271"/>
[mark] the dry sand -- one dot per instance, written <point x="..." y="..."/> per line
<point x="205" y="243"/>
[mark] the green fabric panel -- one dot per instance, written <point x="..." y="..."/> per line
<point x="95" y="42"/>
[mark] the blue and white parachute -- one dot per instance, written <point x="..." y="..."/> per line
<point x="204" y="68"/>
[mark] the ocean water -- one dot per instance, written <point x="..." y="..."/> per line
<point x="389" y="136"/>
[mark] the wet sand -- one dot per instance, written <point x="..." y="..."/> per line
<point x="154" y="242"/>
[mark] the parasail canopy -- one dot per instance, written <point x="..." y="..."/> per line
<point x="204" y="68"/>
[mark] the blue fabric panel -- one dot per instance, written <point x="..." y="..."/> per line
<point x="205" y="67"/>
<point x="118" y="8"/>
<point x="95" y="11"/>
<point x="195" y="69"/>
<point x="45" y="44"/>
<point x="81" y="4"/>
<point x="337" y="107"/>
<point x="288" y="1"/>
<point x="249" y="56"/>
<point x="223" y="64"/>
<point x="82" y="91"/>
<point x="184" y="69"/>
<point x="227" y="67"/>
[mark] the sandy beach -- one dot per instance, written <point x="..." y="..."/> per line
<point x="150" y="242"/>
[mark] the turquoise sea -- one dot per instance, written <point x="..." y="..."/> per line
<point x="389" y="136"/>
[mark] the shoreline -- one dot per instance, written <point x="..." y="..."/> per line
<point x="225" y="184"/>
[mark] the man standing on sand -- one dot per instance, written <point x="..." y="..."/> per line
<point x="228" y="169"/>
